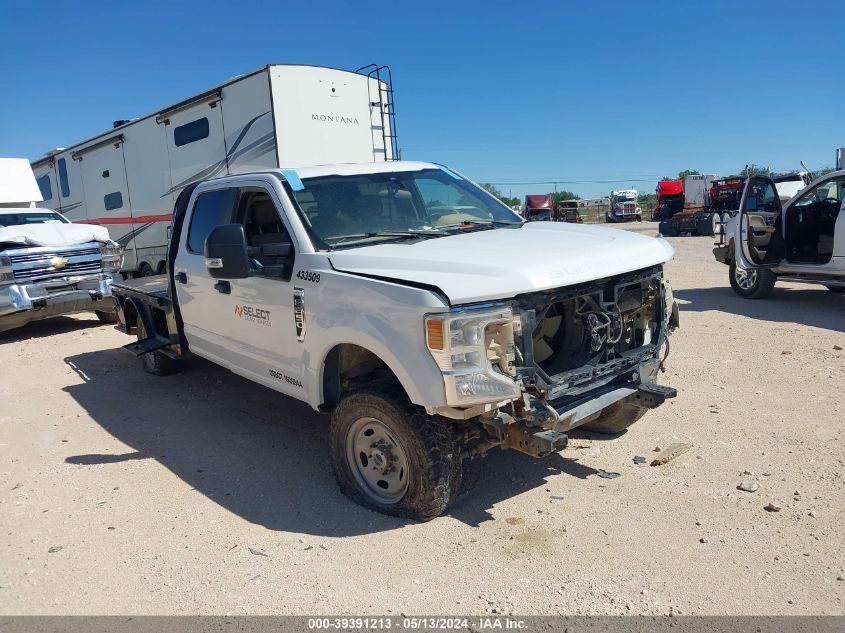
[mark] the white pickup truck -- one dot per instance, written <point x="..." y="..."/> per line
<point x="801" y="240"/>
<point x="423" y="314"/>
<point x="48" y="266"/>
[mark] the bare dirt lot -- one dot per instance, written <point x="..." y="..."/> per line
<point x="124" y="493"/>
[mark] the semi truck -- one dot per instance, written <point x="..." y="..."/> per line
<point x="538" y="207"/>
<point x="623" y="206"/>
<point x="544" y="208"/>
<point x="127" y="178"/>
<point x="48" y="266"/>
<point x="696" y="218"/>
<point x="423" y="315"/>
<point x="670" y="199"/>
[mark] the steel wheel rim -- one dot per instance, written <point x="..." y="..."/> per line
<point x="377" y="461"/>
<point x="745" y="279"/>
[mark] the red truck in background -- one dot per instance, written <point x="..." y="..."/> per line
<point x="538" y="207"/>
<point x="670" y="199"/>
<point x="543" y="207"/>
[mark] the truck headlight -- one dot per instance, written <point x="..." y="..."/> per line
<point x="6" y="272"/>
<point x="112" y="258"/>
<point x="474" y="349"/>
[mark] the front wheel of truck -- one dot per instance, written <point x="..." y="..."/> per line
<point x="615" y="418"/>
<point x="389" y="456"/>
<point x="751" y="284"/>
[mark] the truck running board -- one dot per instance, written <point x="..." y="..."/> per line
<point x="147" y="345"/>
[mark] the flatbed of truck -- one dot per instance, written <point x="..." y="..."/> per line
<point x="154" y="287"/>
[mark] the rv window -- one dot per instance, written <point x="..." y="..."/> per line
<point x="63" y="183"/>
<point x="44" y="186"/>
<point x="211" y="209"/>
<point x="113" y="201"/>
<point x="190" y="132"/>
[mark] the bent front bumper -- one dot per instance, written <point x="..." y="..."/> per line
<point x="23" y="303"/>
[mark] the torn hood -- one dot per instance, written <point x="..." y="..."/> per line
<point x="502" y="263"/>
<point x="52" y="234"/>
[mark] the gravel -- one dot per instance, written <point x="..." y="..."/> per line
<point x="138" y="441"/>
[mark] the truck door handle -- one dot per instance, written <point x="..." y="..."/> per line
<point x="223" y="286"/>
<point x="182" y="278"/>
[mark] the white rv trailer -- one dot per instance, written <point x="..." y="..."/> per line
<point x="128" y="178"/>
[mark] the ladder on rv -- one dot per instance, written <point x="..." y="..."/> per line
<point x="387" y="113"/>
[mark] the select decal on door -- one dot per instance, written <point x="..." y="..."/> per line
<point x="299" y="312"/>
<point x="253" y="314"/>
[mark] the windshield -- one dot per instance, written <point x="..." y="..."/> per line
<point x="347" y="210"/>
<point x="30" y="217"/>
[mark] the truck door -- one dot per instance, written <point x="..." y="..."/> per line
<point x="246" y="325"/>
<point x="260" y="308"/>
<point x="205" y="322"/>
<point x="760" y="238"/>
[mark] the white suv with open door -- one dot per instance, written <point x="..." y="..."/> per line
<point x="802" y="240"/>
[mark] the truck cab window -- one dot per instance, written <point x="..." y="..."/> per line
<point x="211" y="209"/>
<point x="263" y="226"/>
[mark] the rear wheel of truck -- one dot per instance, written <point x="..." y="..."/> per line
<point x="751" y="284"/>
<point x="155" y="362"/>
<point x="145" y="270"/>
<point x="709" y="224"/>
<point x="615" y="418"/>
<point x="106" y="317"/>
<point x="389" y="456"/>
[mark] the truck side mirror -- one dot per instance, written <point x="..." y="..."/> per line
<point x="226" y="252"/>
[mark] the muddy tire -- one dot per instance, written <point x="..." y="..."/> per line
<point x="155" y="363"/>
<point x="753" y="284"/>
<point x="106" y="317"/>
<point x="615" y="418"/>
<point x="389" y="456"/>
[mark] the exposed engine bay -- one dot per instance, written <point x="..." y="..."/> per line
<point x="577" y="351"/>
<point x="582" y="335"/>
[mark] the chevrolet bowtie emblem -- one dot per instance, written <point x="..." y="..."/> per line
<point x="58" y="262"/>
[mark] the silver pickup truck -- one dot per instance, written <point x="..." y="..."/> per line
<point x="50" y="267"/>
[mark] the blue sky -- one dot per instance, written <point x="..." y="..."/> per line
<point x="502" y="91"/>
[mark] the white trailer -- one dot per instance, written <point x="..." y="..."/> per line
<point x="128" y="178"/>
<point x="697" y="191"/>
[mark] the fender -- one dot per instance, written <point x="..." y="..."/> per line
<point x="422" y="382"/>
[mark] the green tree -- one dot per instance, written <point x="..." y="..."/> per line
<point x="560" y="196"/>
<point x="491" y="189"/>
<point x="687" y="172"/>
<point x="754" y="170"/>
<point x="818" y="173"/>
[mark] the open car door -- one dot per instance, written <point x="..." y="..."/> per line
<point x="760" y="234"/>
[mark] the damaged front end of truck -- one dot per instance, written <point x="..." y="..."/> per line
<point x="571" y="357"/>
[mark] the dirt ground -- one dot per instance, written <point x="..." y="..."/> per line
<point x="203" y="493"/>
